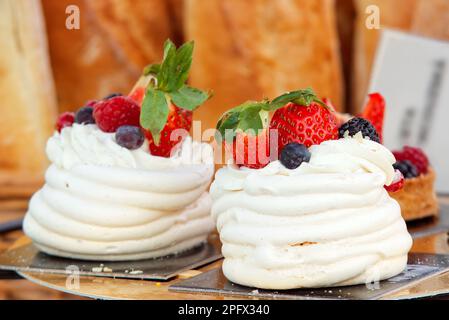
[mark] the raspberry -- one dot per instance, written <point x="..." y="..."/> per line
<point x="415" y="156"/>
<point x="116" y="112"/>
<point x="65" y="119"/>
<point x="356" y="125"/>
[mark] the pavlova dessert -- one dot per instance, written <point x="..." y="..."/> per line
<point x="302" y="202"/>
<point x="126" y="181"/>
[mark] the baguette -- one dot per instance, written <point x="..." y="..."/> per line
<point x="28" y="105"/>
<point x="116" y="39"/>
<point x="261" y="48"/>
<point x="366" y="40"/>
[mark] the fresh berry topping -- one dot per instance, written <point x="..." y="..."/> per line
<point x="129" y="137"/>
<point x="374" y="112"/>
<point x="179" y="120"/>
<point x="112" y="95"/>
<point x="116" y="112"/>
<point x="307" y="125"/>
<point x="293" y="154"/>
<point x="415" y="156"/>
<point x="299" y="116"/>
<point x="138" y="94"/>
<point x="407" y="168"/>
<point x="398" y="182"/>
<point x="251" y="151"/>
<point x="167" y="101"/>
<point x="85" y="116"/>
<point x="356" y="125"/>
<point x="65" y="119"/>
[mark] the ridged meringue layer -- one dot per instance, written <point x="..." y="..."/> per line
<point x="330" y="222"/>
<point x="104" y="202"/>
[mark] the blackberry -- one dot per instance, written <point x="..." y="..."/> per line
<point x="129" y="137"/>
<point x="407" y="168"/>
<point x="293" y="154"/>
<point x="112" y="95"/>
<point x="85" y="115"/>
<point x="356" y="125"/>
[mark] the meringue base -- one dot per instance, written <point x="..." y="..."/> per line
<point x="242" y="274"/>
<point x="173" y="250"/>
<point x="418" y="198"/>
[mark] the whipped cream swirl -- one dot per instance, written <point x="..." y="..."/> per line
<point x="104" y="202"/>
<point x="330" y="222"/>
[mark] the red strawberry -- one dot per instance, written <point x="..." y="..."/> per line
<point x="374" y="112"/>
<point x="306" y="125"/>
<point x="416" y="156"/>
<point x="138" y="94"/>
<point x="177" y="119"/>
<point x="65" y="119"/>
<point x="249" y="150"/>
<point x="116" y="112"/>
<point x="397" y="183"/>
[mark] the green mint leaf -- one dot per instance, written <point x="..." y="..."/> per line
<point x="152" y="69"/>
<point x="167" y="67"/>
<point x="188" y="98"/>
<point x="183" y="63"/>
<point x="247" y="116"/>
<point x="227" y="124"/>
<point x="175" y="68"/>
<point x="154" y="112"/>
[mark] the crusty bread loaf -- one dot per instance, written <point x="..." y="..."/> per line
<point x="432" y="19"/>
<point x="261" y="48"/>
<point x="115" y="40"/>
<point x="366" y="40"/>
<point x="28" y="104"/>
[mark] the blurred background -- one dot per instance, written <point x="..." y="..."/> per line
<point x="245" y="49"/>
<point x="58" y="54"/>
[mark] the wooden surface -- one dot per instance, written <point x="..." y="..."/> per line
<point x="45" y="286"/>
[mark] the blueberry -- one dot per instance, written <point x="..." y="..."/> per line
<point x="129" y="137"/>
<point x="356" y="125"/>
<point x="407" y="169"/>
<point x="112" y="95"/>
<point x="84" y="115"/>
<point x="293" y="154"/>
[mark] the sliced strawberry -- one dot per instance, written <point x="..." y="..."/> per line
<point x="138" y="94"/>
<point x="251" y="151"/>
<point x="374" y="112"/>
<point x="307" y="125"/>
<point x="397" y="184"/>
<point x="177" y="119"/>
<point x="138" y="91"/>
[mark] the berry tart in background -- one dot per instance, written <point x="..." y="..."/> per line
<point x="302" y="202"/>
<point x="119" y="187"/>
<point x="417" y="197"/>
<point x="416" y="193"/>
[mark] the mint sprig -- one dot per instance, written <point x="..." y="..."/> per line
<point x="170" y="87"/>
<point x="253" y="115"/>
